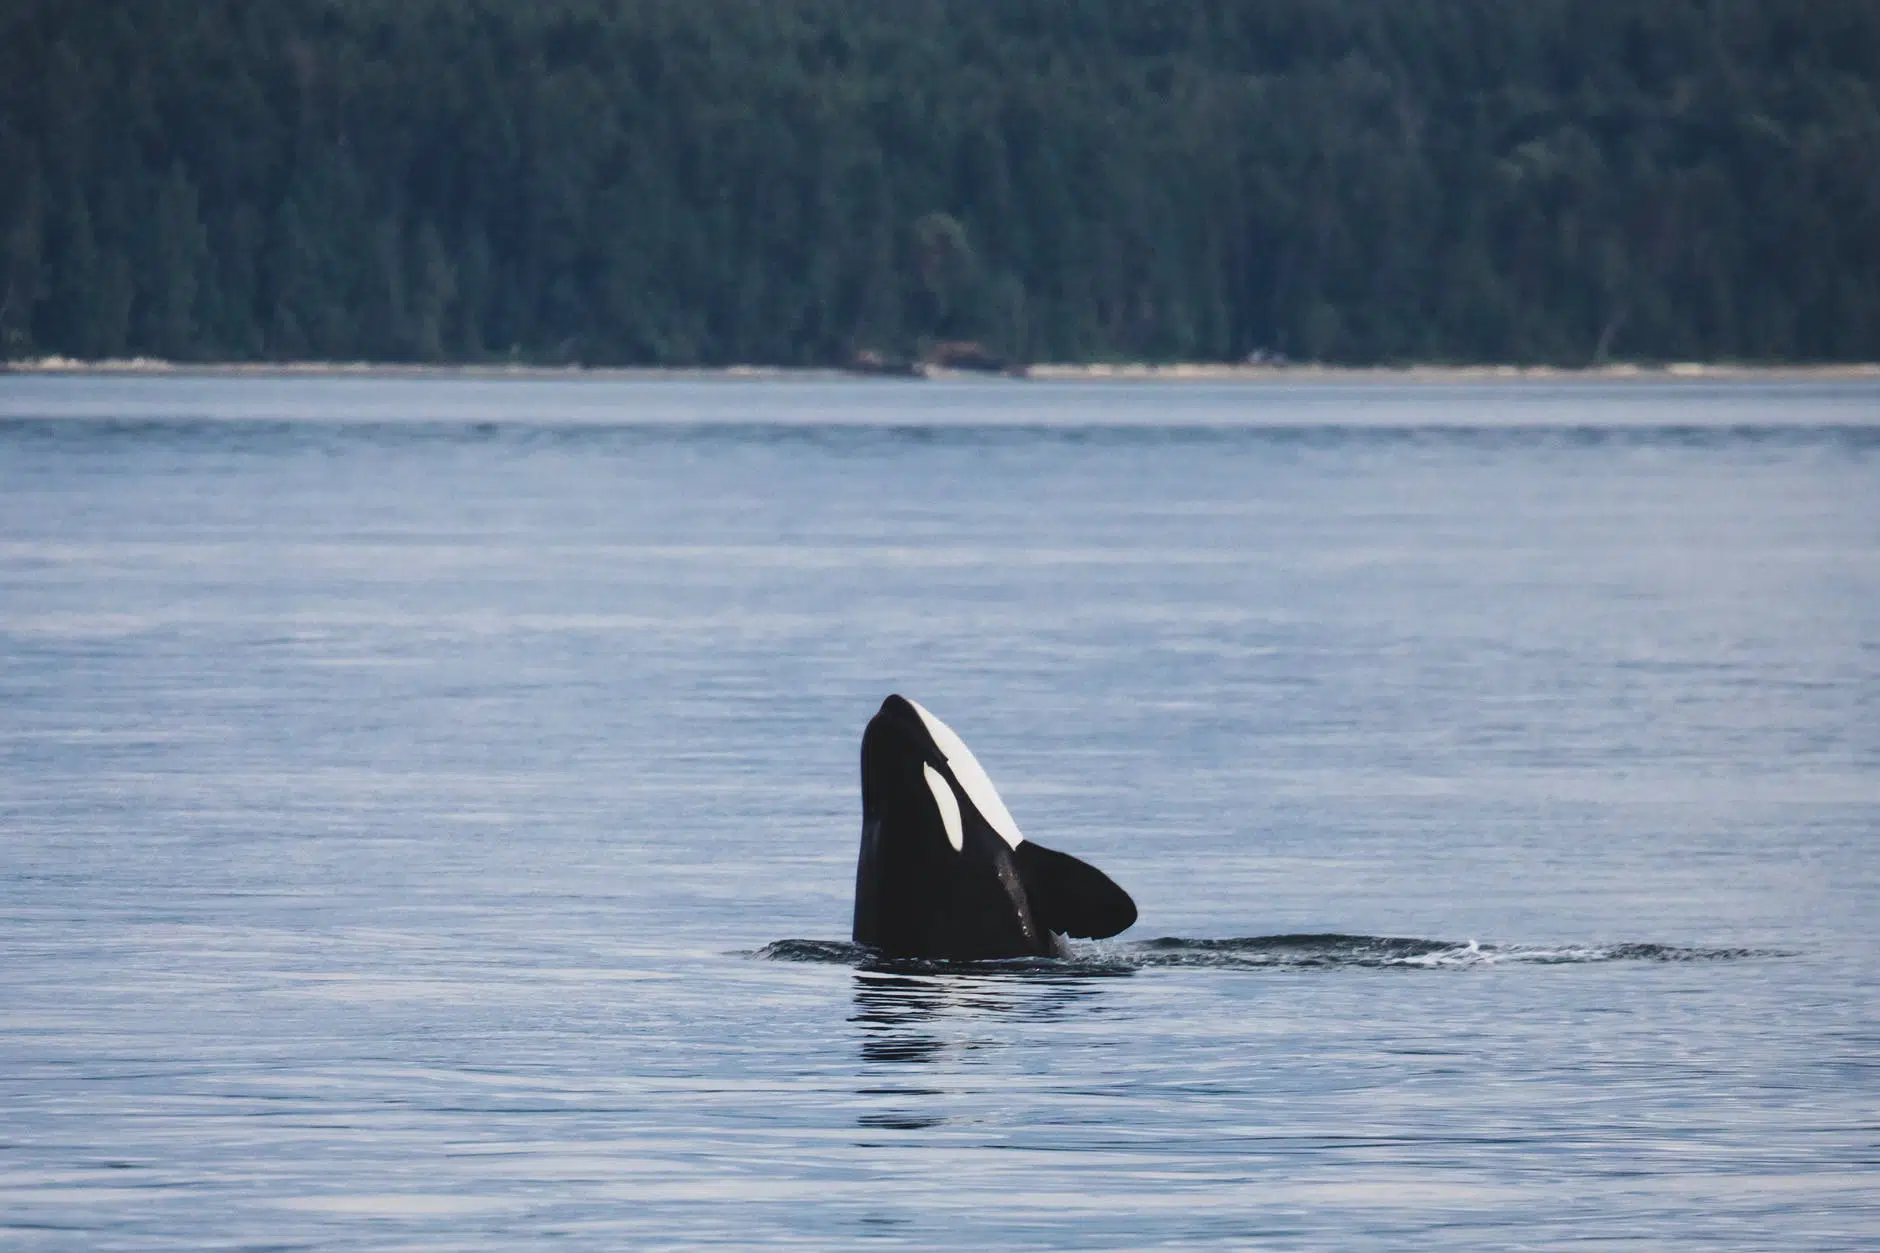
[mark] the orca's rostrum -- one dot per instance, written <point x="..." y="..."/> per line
<point x="944" y="872"/>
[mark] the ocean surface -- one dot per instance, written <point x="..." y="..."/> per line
<point x="428" y="813"/>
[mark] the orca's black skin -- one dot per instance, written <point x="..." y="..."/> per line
<point x="916" y="896"/>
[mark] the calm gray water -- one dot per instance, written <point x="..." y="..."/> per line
<point x="428" y="812"/>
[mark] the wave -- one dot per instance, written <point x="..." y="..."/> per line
<point x="1267" y="952"/>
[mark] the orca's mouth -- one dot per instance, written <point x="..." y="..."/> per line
<point x="897" y="749"/>
<point x="907" y="731"/>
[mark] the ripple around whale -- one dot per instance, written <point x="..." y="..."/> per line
<point x="1267" y="952"/>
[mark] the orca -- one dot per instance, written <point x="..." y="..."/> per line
<point x="944" y="872"/>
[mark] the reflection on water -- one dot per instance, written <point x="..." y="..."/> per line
<point x="933" y="1021"/>
<point x="893" y="1011"/>
<point x="887" y="1000"/>
<point x="893" y="1005"/>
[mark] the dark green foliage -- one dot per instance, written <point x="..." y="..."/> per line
<point x="797" y="181"/>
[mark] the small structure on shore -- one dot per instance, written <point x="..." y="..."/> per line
<point x="868" y="361"/>
<point x="965" y="354"/>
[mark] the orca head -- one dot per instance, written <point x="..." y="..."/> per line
<point x="904" y="737"/>
<point x="944" y="870"/>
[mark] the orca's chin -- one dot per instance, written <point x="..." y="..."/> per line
<point x="944" y="872"/>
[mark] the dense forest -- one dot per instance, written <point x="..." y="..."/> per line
<point x="802" y="181"/>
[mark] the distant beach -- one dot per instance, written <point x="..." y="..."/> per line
<point x="1134" y="372"/>
<point x="1084" y="396"/>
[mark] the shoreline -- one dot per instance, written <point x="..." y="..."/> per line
<point x="1185" y="372"/>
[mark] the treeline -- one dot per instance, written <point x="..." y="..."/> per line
<point x="803" y="181"/>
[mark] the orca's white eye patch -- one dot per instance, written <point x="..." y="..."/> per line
<point x="949" y="807"/>
<point x="972" y="777"/>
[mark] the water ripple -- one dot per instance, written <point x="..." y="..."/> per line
<point x="1267" y="952"/>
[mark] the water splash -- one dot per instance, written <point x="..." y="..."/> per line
<point x="1271" y="952"/>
